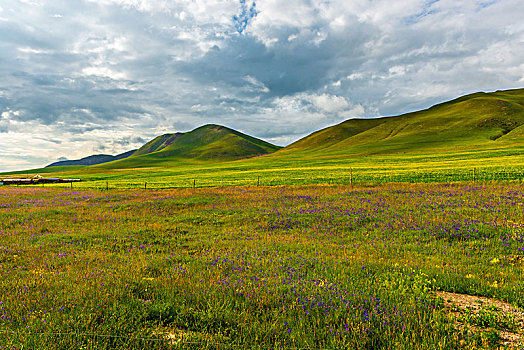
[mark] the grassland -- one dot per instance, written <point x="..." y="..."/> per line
<point x="505" y="164"/>
<point x="318" y="266"/>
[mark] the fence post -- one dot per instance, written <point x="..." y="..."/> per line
<point x="194" y="184"/>
<point x="258" y="181"/>
<point x="145" y="185"/>
<point x="107" y="186"/>
<point x="351" y="177"/>
<point x="474" y="174"/>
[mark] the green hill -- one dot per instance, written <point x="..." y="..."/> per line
<point x="480" y="120"/>
<point x="216" y="142"/>
<point x="206" y="143"/>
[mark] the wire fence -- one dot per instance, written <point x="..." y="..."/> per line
<point x="346" y="176"/>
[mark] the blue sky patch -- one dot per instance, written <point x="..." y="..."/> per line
<point x="247" y="12"/>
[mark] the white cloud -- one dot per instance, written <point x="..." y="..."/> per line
<point x="19" y="145"/>
<point x="355" y="76"/>
<point x="201" y="11"/>
<point x="354" y="112"/>
<point x="104" y="72"/>
<point x="103" y="43"/>
<point x="328" y="103"/>
<point x="9" y="114"/>
<point x="31" y="3"/>
<point x="255" y="85"/>
<point x="323" y="103"/>
<point x="199" y="108"/>
<point x="397" y="71"/>
<point x="32" y="50"/>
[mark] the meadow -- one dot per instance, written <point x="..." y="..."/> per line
<point x="281" y="168"/>
<point x="330" y="266"/>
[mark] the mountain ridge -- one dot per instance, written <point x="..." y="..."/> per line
<point x="92" y="159"/>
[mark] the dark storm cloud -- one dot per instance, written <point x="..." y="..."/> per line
<point x="285" y="68"/>
<point x="49" y="100"/>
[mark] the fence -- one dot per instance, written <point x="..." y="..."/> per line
<point x="340" y="176"/>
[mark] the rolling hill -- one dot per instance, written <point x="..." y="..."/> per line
<point x="216" y="142"/>
<point x="208" y="143"/>
<point x="476" y="121"/>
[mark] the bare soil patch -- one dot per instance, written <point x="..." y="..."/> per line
<point x="485" y="314"/>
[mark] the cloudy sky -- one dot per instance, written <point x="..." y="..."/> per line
<point x="79" y="77"/>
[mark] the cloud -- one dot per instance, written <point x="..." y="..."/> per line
<point x="130" y="141"/>
<point x="322" y="103"/>
<point x="255" y="85"/>
<point x="104" y="72"/>
<point x="329" y="103"/>
<point x="272" y="68"/>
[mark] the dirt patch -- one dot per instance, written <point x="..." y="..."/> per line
<point x="487" y="314"/>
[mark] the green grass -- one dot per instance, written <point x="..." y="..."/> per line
<point x="488" y="165"/>
<point x="51" y="170"/>
<point x="323" y="266"/>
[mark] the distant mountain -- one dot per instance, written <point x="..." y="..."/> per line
<point x="93" y="160"/>
<point x="475" y="121"/>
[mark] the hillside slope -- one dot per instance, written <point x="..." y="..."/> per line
<point x="480" y="120"/>
<point x="158" y="143"/>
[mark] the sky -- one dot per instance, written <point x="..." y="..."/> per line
<point x="83" y="77"/>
